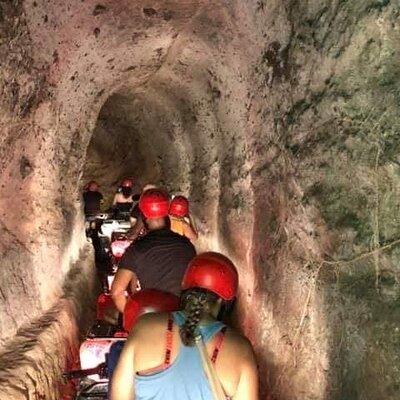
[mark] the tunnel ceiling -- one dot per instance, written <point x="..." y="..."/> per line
<point x="279" y="119"/>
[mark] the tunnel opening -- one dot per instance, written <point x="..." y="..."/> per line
<point x="118" y="148"/>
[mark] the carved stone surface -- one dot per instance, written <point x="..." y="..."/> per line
<point x="278" y="118"/>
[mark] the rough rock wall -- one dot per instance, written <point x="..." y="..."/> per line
<point x="32" y="363"/>
<point x="326" y="115"/>
<point x="277" y="118"/>
<point x="36" y="213"/>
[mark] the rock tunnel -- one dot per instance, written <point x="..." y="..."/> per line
<point x="279" y="119"/>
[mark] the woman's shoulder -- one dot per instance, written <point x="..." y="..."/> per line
<point x="238" y="343"/>
<point x="151" y="321"/>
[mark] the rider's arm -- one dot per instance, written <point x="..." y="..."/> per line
<point x="122" y="382"/>
<point x="189" y="232"/>
<point x="120" y="284"/>
<point x="248" y="384"/>
<point x="135" y="231"/>
<point x="193" y="226"/>
<point x="115" y="201"/>
<point x="101" y="202"/>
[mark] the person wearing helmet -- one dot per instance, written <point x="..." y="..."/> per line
<point x="124" y="198"/>
<point x="162" y="358"/>
<point x="137" y="219"/>
<point x="181" y="221"/>
<point x="92" y="199"/>
<point x="157" y="260"/>
<point x="92" y="206"/>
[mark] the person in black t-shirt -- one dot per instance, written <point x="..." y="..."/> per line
<point x="92" y="199"/>
<point x="159" y="259"/>
<point x="92" y="206"/>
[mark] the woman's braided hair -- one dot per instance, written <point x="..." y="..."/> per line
<point x="195" y="303"/>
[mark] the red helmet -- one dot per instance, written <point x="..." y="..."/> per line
<point x="214" y="272"/>
<point x="92" y="186"/>
<point x="128" y="182"/>
<point x="148" y="301"/>
<point x="154" y="203"/>
<point x="179" y="206"/>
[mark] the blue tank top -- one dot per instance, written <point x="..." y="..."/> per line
<point x="185" y="378"/>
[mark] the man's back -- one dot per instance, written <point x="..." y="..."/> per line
<point x="92" y="202"/>
<point x="159" y="260"/>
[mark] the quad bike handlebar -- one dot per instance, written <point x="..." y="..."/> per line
<point x="100" y="370"/>
<point x="99" y="216"/>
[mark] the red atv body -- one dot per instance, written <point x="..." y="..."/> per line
<point x="100" y="351"/>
